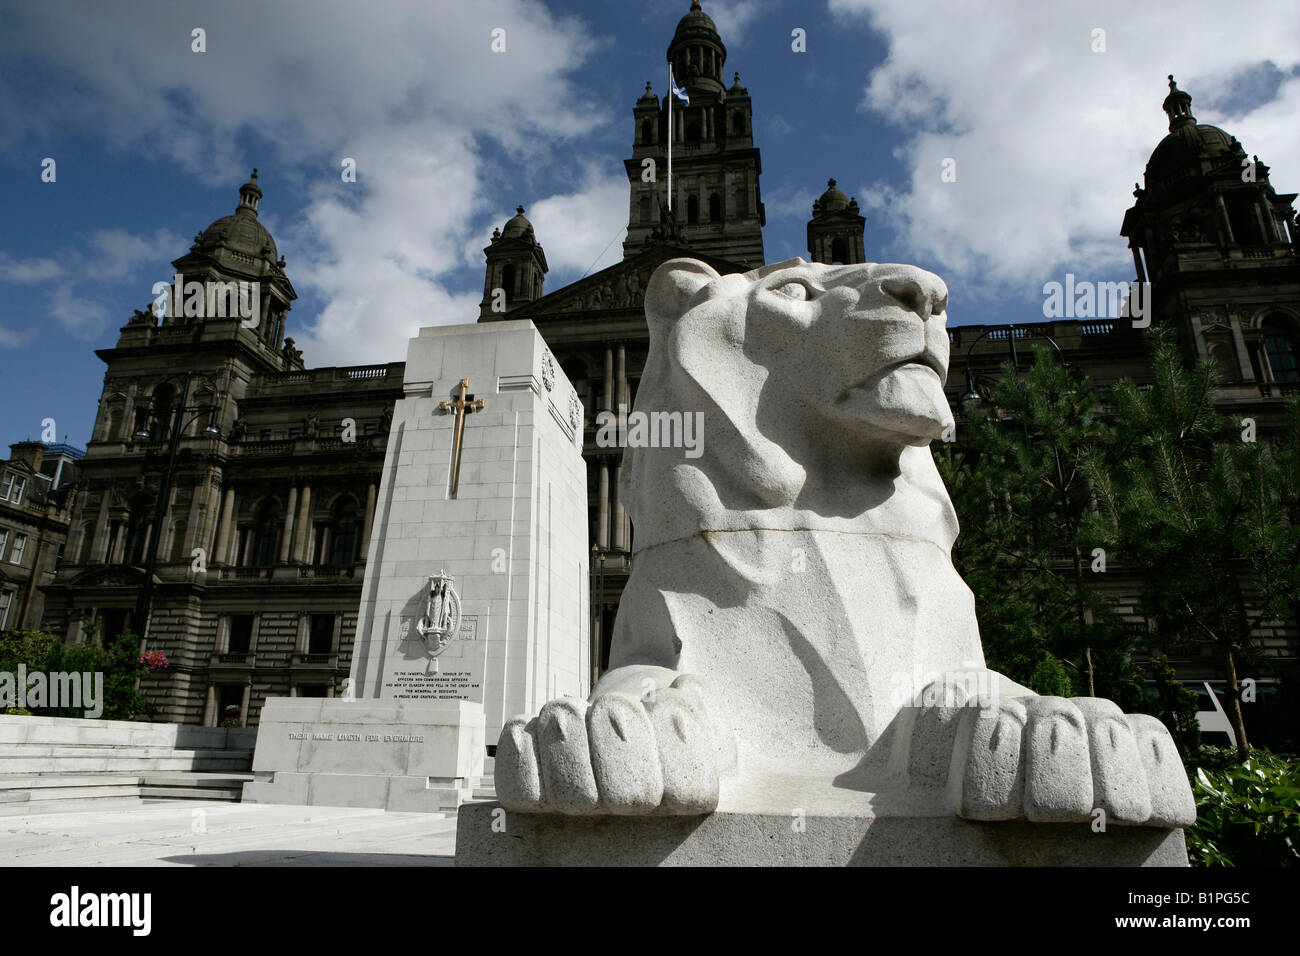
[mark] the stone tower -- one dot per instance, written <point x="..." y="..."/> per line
<point x="836" y="229"/>
<point x="1217" y="244"/>
<point x="717" y="207"/>
<point x="516" y="265"/>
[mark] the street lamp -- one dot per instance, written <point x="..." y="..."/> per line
<point x="178" y="425"/>
<point x="972" y="402"/>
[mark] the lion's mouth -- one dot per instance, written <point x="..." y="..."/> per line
<point x="923" y="361"/>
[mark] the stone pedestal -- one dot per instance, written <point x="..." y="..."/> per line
<point x="487" y="835"/>
<point x="398" y="755"/>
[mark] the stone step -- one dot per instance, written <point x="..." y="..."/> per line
<point x="72" y="805"/>
<point x="112" y="762"/>
<point x="150" y="794"/>
<point x="32" y="781"/>
<point x="80" y="750"/>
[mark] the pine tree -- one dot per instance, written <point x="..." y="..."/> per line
<point x="1022" y="497"/>
<point x="1202" y="508"/>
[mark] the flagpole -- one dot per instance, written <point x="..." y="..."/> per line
<point x="671" y="97"/>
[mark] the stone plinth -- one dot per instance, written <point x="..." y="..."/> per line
<point x="513" y="534"/>
<point x="394" y="755"/>
<point x="772" y="839"/>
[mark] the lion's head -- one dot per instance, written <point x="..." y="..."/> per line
<point x="820" y="386"/>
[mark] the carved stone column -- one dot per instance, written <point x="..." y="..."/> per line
<point x="602" y="521"/>
<point x="221" y="546"/>
<point x="303" y="529"/>
<point x="286" y="538"/>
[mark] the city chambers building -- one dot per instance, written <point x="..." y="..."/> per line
<point x="269" y="489"/>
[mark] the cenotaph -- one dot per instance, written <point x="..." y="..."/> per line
<point x="474" y="604"/>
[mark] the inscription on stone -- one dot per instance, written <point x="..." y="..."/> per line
<point x="361" y="738"/>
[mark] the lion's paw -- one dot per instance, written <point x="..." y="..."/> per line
<point x="620" y="754"/>
<point x="1053" y="760"/>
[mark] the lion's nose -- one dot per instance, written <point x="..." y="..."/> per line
<point x="918" y="291"/>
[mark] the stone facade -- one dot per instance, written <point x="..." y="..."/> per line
<point x="261" y="552"/>
<point x="38" y="489"/>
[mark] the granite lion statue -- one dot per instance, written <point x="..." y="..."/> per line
<point x="793" y="632"/>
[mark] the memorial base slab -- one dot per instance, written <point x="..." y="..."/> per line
<point x="488" y="835"/>
<point x="401" y="755"/>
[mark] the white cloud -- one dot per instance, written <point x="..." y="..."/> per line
<point x="1049" y="136"/>
<point x="115" y="253"/>
<point x="411" y="91"/>
<point x="12" y="338"/>
<point x="27" y="270"/>
<point x="83" y="317"/>
<point x="732" y="17"/>
<point x="583" y="231"/>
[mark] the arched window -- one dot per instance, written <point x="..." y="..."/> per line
<point x="508" y="279"/>
<point x="1242" y="219"/>
<point x="161" y="411"/>
<point x="137" y="530"/>
<point x="742" y="201"/>
<point x="715" y="208"/>
<point x="1280" y="346"/>
<point x="647" y="134"/>
<point x="693" y="209"/>
<point x="87" y="539"/>
<point x="113" y="427"/>
<point x="643" y="211"/>
<point x="693" y="132"/>
<point x="267" y="525"/>
<point x="345" y="532"/>
<point x="738" y="122"/>
<point x="839" y="250"/>
<point x="178" y="541"/>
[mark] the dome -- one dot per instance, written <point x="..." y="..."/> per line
<point x="833" y="200"/>
<point x="696" y="25"/>
<point x="1190" y="147"/>
<point x="241" y="232"/>
<point x="1183" y="150"/>
<point x="517" y="226"/>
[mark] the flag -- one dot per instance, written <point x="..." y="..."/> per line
<point x="677" y="90"/>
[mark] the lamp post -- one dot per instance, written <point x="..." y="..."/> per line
<point x="178" y="424"/>
<point x="972" y="400"/>
<point x="597" y="609"/>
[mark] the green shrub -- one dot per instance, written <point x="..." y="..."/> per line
<point x="1248" y="814"/>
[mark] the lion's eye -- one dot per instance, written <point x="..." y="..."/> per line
<point x="795" y="290"/>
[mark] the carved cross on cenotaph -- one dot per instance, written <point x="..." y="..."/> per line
<point x="461" y="406"/>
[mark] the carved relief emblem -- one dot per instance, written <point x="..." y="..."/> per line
<point x="575" y="414"/>
<point x="548" y="371"/>
<point x="441" y="621"/>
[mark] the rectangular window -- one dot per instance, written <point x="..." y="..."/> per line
<point x="266" y="434"/>
<point x="6" y="602"/>
<point x="241" y="633"/>
<point x="321" y="640"/>
<point x="295" y="433"/>
<point x="20" y="545"/>
<point x="11" y="488"/>
<point x="4" y="543"/>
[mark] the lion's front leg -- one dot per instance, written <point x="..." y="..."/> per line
<point x="1047" y="759"/>
<point x="647" y="742"/>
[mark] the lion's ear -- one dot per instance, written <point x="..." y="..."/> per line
<point x="672" y="287"/>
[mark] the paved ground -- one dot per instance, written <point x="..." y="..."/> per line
<point x="203" y="833"/>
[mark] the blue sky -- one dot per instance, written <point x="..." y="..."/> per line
<point x="152" y="140"/>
